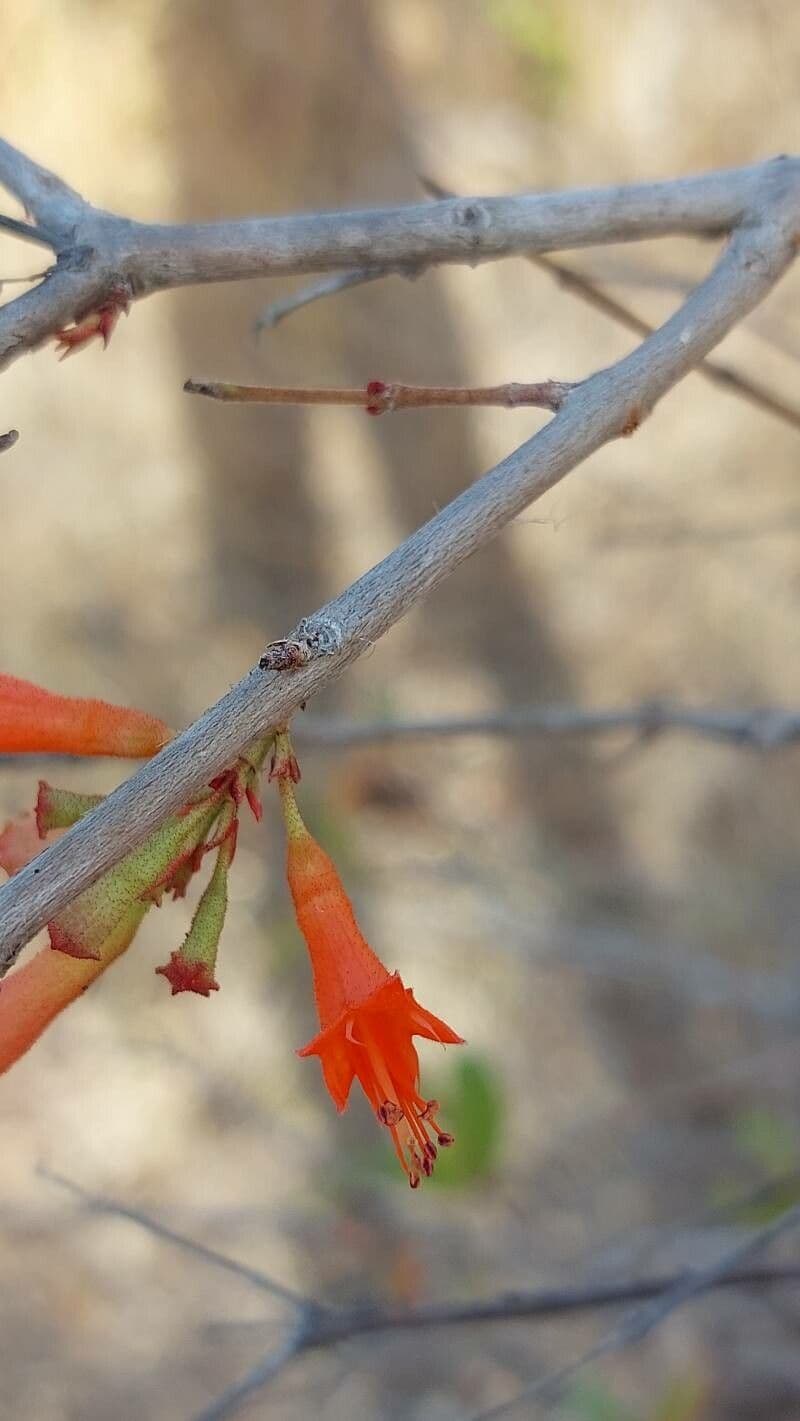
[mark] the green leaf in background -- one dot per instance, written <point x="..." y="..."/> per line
<point x="769" y="1139"/>
<point x="682" y="1401"/>
<point x="537" y="35"/>
<point x="473" y="1111"/>
<point x="592" y="1401"/>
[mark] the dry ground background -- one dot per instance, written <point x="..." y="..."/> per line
<point x="612" y="926"/>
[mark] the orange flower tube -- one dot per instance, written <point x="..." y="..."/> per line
<point x="35" y="720"/>
<point x="34" y="994"/>
<point x="367" y="1016"/>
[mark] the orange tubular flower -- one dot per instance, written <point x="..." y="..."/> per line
<point x="35" y="720"/>
<point x="368" y="1017"/>
<point x="33" y="995"/>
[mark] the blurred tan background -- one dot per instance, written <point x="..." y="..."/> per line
<point x="613" y="926"/>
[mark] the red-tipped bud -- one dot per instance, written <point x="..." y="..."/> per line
<point x="185" y="976"/>
<point x="191" y="968"/>
<point x="376" y="397"/>
<point x="283" y="762"/>
<point x="256" y="807"/>
<point x="98" y="323"/>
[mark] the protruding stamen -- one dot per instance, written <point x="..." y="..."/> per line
<point x="445" y="1140"/>
<point x="431" y="1151"/>
<point x="427" y="1166"/>
<point x="413" y="1179"/>
<point x="432" y="1107"/>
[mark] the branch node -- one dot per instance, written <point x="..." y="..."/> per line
<point x="633" y="418"/>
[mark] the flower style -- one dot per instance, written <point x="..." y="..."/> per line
<point x="368" y="1017"/>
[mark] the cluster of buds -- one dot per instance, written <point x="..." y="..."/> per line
<point x="95" y="324"/>
<point x="367" y="1016"/>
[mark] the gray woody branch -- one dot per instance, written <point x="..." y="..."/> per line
<point x="99" y="253"/>
<point x="759" y="206"/>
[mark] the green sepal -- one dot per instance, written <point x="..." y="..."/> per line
<point x="191" y="968"/>
<point x="83" y="926"/>
<point x="61" y="808"/>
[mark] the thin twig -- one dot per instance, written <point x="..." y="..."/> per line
<point x="339" y="1324"/>
<point x="657" y="534"/>
<point x="764" y="728"/>
<point x="100" y="1204"/>
<point x="609" y="404"/>
<point x="723" y="376"/>
<point x="256" y="1379"/>
<point x="277" y="311"/>
<point x="54" y="204"/>
<point x="380" y="397"/>
<point x="638" y="1324"/>
<point x="25" y="230"/>
<point x="581" y="285"/>
<point x="318" y="1326"/>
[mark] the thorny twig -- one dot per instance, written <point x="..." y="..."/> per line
<point x="757" y="208"/>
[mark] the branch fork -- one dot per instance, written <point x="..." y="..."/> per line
<point x="757" y="208"/>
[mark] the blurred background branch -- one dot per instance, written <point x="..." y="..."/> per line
<point x="318" y="1326"/>
<point x="764" y="728"/>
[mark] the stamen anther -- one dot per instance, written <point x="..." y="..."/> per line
<point x="389" y="1114"/>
